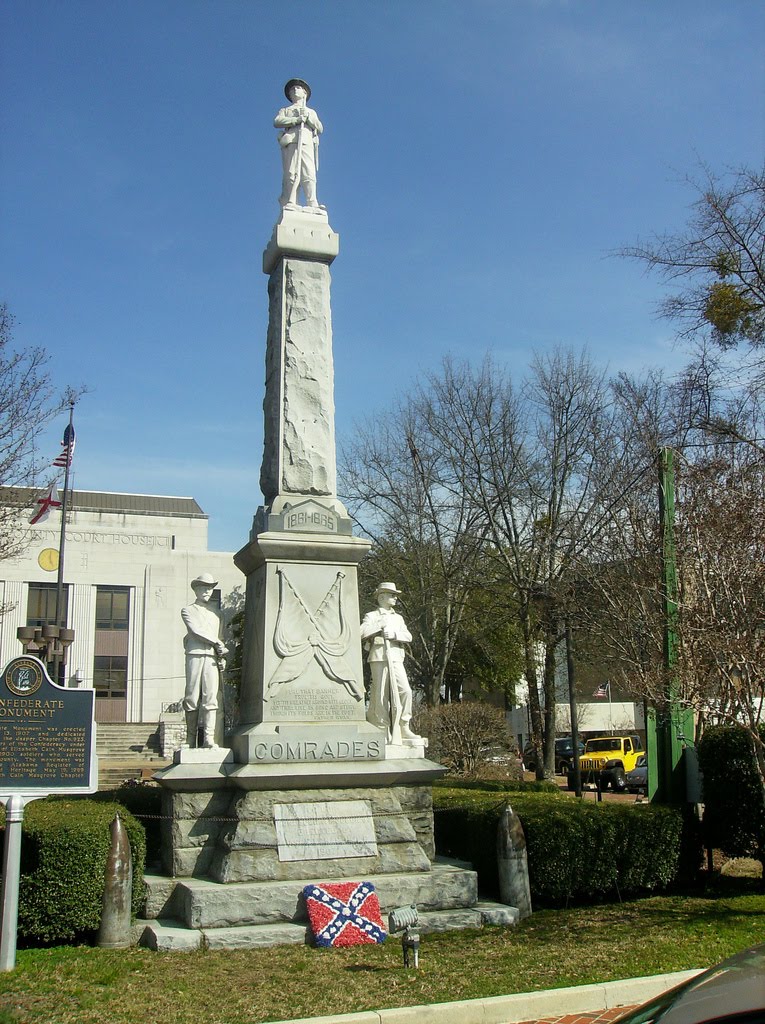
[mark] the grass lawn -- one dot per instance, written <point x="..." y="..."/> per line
<point x="79" y="985"/>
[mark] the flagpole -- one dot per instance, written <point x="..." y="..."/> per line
<point x="61" y="543"/>
<point x="610" y="708"/>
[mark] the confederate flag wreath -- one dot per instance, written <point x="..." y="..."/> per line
<point x="344" y="913"/>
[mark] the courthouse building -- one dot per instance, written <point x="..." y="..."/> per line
<point x="129" y="560"/>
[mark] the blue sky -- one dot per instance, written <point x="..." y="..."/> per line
<point x="480" y="160"/>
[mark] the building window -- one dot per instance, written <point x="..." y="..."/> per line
<point x="110" y="661"/>
<point x="41" y="605"/>
<point x="112" y="607"/>
<point x="110" y="676"/>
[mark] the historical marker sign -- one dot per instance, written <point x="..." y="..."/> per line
<point x="47" y="745"/>
<point x="47" y="735"/>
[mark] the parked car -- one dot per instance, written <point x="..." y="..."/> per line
<point x="637" y="779"/>
<point x="607" y="759"/>
<point x="732" y="992"/>
<point x="564" y="755"/>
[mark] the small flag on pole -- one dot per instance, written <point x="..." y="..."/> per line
<point x="45" y="503"/>
<point x="603" y="690"/>
<point x="64" y="458"/>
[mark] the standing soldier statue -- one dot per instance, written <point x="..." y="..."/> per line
<point x="385" y="637"/>
<point x="299" y="141"/>
<point x="205" y="655"/>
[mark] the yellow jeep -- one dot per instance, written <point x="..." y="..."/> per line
<point x="607" y="759"/>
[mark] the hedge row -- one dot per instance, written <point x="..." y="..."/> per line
<point x="145" y="803"/>
<point x="734" y="806"/>
<point x="576" y="850"/>
<point x="499" y="785"/>
<point x="64" y="848"/>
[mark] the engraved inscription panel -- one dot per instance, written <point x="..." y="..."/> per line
<point x="312" y="704"/>
<point x="325" y="830"/>
<point x="310" y="517"/>
<point x="43" y="753"/>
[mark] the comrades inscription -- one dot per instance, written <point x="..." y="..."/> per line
<point x="271" y="749"/>
<point x="46" y="732"/>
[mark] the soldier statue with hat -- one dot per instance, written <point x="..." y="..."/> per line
<point x="385" y="638"/>
<point x="299" y="142"/>
<point x="205" y="653"/>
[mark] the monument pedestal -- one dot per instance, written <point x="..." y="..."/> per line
<point x="302" y="694"/>
<point x="310" y="790"/>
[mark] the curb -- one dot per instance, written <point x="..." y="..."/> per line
<point x="523" y="1006"/>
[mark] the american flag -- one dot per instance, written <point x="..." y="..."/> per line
<point x="45" y="503"/>
<point x="604" y="690"/>
<point x="344" y="913"/>
<point x="64" y="458"/>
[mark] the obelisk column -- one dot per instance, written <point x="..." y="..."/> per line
<point x="299" y="437"/>
<point x="302" y="693"/>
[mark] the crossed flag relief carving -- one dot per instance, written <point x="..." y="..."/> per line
<point x="300" y="636"/>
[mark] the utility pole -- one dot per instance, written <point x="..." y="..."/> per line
<point x="668" y="724"/>
<point x="575" y="767"/>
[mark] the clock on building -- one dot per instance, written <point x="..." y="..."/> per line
<point x="48" y="559"/>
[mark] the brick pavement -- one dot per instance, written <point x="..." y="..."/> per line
<point x="601" y="1017"/>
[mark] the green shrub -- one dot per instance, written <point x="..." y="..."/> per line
<point x="499" y="785"/>
<point x="575" y="850"/>
<point x="145" y="803"/>
<point x="734" y="809"/>
<point x="466" y="736"/>
<point x="64" y="848"/>
<point x="594" y="850"/>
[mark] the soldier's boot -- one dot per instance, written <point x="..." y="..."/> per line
<point x="309" y="190"/>
<point x="208" y="732"/>
<point x="192" y="728"/>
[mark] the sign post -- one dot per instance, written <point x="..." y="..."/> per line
<point x="47" y="745"/>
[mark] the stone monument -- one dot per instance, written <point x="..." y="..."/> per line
<point x="313" y="788"/>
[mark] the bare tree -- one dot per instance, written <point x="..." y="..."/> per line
<point x="427" y="535"/>
<point x="466" y="737"/>
<point x="543" y="464"/>
<point x="721" y="555"/>
<point x="28" y="401"/>
<point x="719" y="259"/>
<point x="720" y="558"/>
<point x="618" y="614"/>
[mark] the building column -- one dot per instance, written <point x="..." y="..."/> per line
<point x="13" y="597"/>
<point x="82" y="619"/>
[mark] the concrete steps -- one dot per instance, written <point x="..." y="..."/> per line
<point x="169" y="936"/>
<point x="136" y="740"/>
<point x="112" y="774"/>
<point x="193" y="913"/>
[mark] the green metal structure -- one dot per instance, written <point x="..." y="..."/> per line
<point x="668" y="728"/>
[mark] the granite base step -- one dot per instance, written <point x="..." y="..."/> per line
<point x="167" y="936"/>
<point x="203" y="903"/>
<point x="197" y="913"/>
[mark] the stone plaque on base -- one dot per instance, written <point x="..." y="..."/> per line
<point x="303" y="830"/>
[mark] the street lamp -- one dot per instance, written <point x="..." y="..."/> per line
<point x="49" y="643"/>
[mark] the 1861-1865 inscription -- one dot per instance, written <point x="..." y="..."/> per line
<point x="46" y="732"/>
